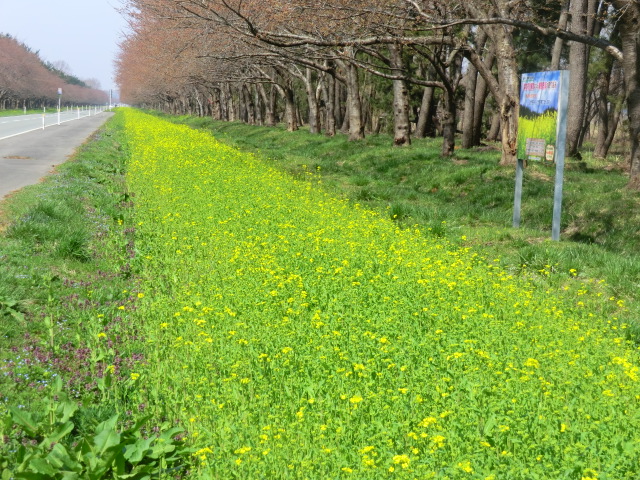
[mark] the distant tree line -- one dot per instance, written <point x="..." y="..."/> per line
<point x="28" y="81"/>
<point x="410" y="67"/>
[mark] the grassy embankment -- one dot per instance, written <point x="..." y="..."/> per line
<point x="76" y="283"/>
<point x="471" y="195"/>
<point x="67" y="278"/>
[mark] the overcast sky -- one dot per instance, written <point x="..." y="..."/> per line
<point x="82" y="33"/>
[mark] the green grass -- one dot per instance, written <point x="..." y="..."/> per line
<point x="62" y="247"/>
<point x="68" y="276"/>
<point x="10" y="113"/>
<point x="471" y="195"/>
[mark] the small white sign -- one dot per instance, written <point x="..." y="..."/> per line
<point x="535" y="147"/>
<point x="550" y="153"/>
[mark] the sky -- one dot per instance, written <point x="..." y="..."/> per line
<point x="82" y="33"/>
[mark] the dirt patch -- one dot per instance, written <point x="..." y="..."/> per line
<point x="486" y="148"/>
<point x="540" y="176"/>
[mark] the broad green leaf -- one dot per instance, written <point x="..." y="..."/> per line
<point x="59" y="457"/>
<point x="40" y="465"/>
<point x="136" y="476"/>
<point x="119" y="463"/>
<point x="65" y="410"/>
<point x="106" y="435"/>
<point x="105" y="464"/>
<point x="135" y="452"/>
<point x="138" y="425"/>
<point x="160" y="449"/>
<point x="168" y="435"/>
<point x="17" y="315"/>
<point x="489" y="426"/>
<point x="60" y="432"/>
<point x="24" y="419"/>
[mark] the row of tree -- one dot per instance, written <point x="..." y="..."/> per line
<point x="27" y="81"/>
<point x="417" y="67"/>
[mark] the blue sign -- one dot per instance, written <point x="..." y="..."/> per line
<point x="542" y="132"/>
<point x="538" y="121"/>
<point x="540" y="91"/>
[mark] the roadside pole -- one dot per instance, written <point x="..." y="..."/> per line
<point x="560" y="146"/>
<point x="59" y="97"/>
<point x="517" y="197"/>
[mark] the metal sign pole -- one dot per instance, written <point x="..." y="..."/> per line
<point x="517" y="197"/>
<point x="561" y="136"/>
<point x="59" y="97"/>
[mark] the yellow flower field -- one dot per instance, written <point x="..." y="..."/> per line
<point x="297" y="335"/>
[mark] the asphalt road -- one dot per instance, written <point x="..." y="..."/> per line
<point x="19" y="124"/>
<point x="26" y="158"/>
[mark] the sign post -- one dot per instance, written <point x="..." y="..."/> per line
<point x="542" y="132"/>
<point x="517" y="197"/>
<point x="59" y="97"/>
<point x="560" y="143"/>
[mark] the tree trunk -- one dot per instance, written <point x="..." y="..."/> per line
<point x="345" y="118"/>
<point x="290" y="108"/>
<point x="509" y="103"/>
<point x="559" y="43"/>
<point x="425" y="112"/>
<point x="505" y="88"/>
<point x="578" y="62"/>
<point x="600" y="150"/>
<point x="224" y="104"/>
<point x="196" y="95"/>
<point x="448" y="120"/>
<point x="354" y="107"/>
<point x="288" y="94"/>
<point x="482" y="91"/>
<point x="230" y="106"/>
<point x="216" y="112"/>
<point x="339" y="105"/>
<point x="269" y="105"/>
<point x="401" y="122"/>
<point x="329" y="94"/>
<point x="629" y="25"/>
<point x="470" y="84"/>
<point x="469" y="105"/>
<point x="258" y="106"/>
<point x="312" y="100"/>
<point x="494" y="130"/>
<point x="614" y="112"/>
<point x="250" y="106"/>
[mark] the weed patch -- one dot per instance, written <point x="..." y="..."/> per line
<point x="67" y="353"/>
<point x="299" y="335"/>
